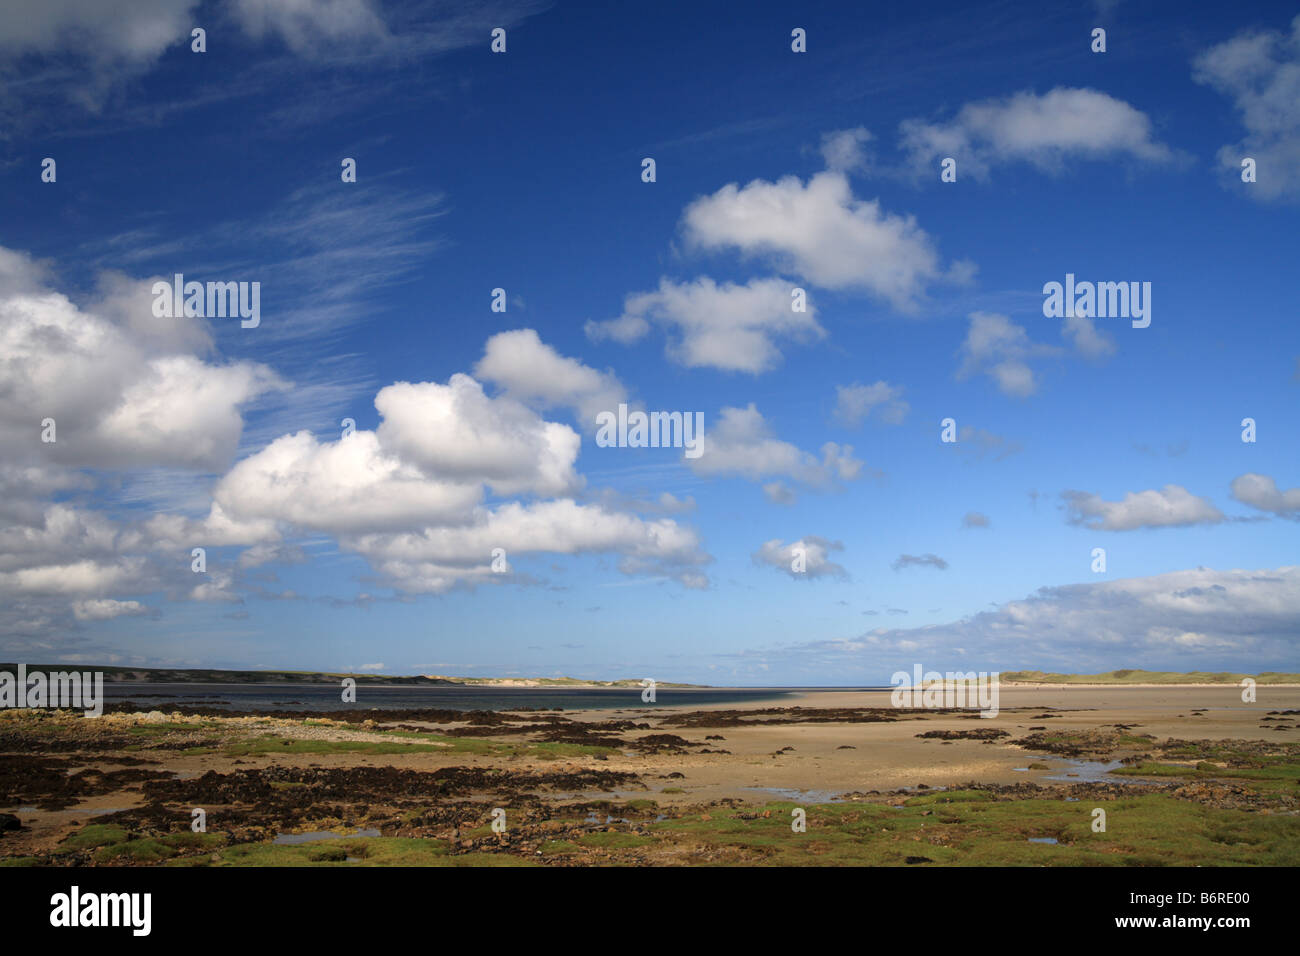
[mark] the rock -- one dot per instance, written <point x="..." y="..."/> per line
<point x="9" y="822"/>
<point x="984" y="733"/>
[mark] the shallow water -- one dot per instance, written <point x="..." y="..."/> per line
<point x="1096" y="771"/>
<point x="800" y="796"/>
<point x="609" y="818"/>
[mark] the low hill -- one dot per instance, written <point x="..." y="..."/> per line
<point x="1146" y="677"/>
<point x="206" y="675"/>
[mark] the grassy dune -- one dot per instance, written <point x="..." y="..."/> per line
<point x="1146" y="677"/>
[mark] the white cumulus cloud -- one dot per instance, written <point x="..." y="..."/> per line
<point x="811" y="550"/>
<point x="1262" y="492"/>
<point x="741" y="443"/>
<point x="854" y="403"/>
<point x="1260" y="71"/>
<point x="821" y="232"/>
<point x="533" y="372"/>
<point x="728" y="326"/>
<point x="1169" y="507"/>
<point x="1042" y="130"/>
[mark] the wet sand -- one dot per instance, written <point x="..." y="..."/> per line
<point x="889" y="756"/>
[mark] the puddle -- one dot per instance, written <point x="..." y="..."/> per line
<point x="609" y="818"/>
<point x="293" y="839"/>
<point x="801" y="796"/>
<point x="1095" y="771"/>
<point x="1049" y="840"/>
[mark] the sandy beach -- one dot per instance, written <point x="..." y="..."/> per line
<point x="434" y="776"/>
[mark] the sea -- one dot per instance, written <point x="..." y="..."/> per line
<point x="324" y="697"/>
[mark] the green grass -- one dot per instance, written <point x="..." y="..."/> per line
<point x="558" y="848"/>
<point x="158" y="849"/>
<point x="969" y="829"/>
<point x="951" y="828"/>
<point x="368" y="851"/>
<point x="114" y="844"/>
<point x="1279" y="772"/>
<point x="1135" y="740"/>
<point x="282" y="745"/>
<point x="95" y="835"/>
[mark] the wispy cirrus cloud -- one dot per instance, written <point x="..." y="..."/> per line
<point x="919" y="561"/>
<point x="94" y="55"/>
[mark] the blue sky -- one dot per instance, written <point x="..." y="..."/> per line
<point x="475" y="429"/>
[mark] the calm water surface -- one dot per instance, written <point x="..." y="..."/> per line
<point x="281" y="696"/>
